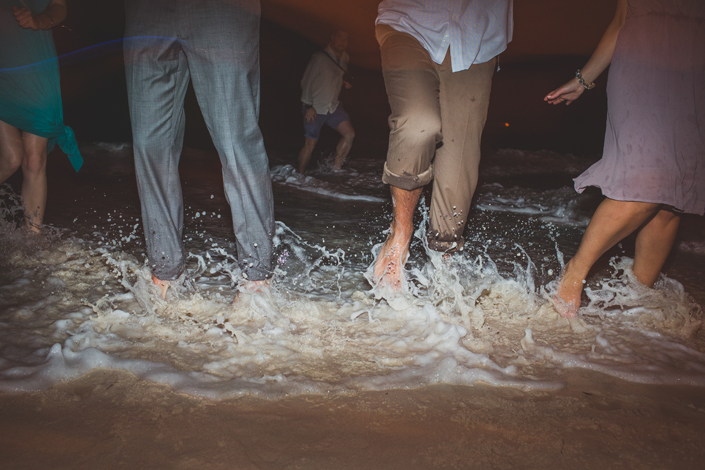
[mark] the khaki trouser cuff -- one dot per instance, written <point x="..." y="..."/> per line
<point x="407" y="181"/>
<point x="444" y="246"/>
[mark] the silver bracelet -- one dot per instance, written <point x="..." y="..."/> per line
<point x="50" y="19"/>
<point x="581" y="80"/>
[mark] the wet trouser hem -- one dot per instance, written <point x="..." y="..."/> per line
<point x="167" y="275"/>
<point x="407" y="181"/>
<point x="454" y="246"/>
<point x="256" y="276"/>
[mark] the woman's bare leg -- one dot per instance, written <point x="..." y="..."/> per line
<point x="11" y="150"/>
<point x="653" y="244"/>
<point x="612" y="221"/>
<point x="34" y="182"/>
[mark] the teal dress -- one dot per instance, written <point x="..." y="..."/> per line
<point x="30" y="96"/>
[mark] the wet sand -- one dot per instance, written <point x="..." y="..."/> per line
<point x="110" y="419"/>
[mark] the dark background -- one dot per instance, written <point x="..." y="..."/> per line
<point x="552" y="38"/>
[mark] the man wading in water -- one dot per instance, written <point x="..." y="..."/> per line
<point x="320" y="87"/>
<point x="438" y="59"/>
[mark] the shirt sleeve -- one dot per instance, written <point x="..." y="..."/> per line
<point x="310" y="79"/>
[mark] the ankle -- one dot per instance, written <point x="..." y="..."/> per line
<point x="400" y="232"/>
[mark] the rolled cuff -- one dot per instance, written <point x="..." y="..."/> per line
<point x="455" y="246"/>
<point x="407" y="181"/>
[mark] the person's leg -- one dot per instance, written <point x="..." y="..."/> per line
<point x="464" y="98"/>
<point x="613" y="220"/>
<point x="34" y="179"/>
<point x="389" y="265"/>
<point x="224" y="61"/>
<point x="305" y="153"/>
<point x="29" y="151"/>
<point x="312" y="131"/>
<point x="653" y="244"/>
<point x="412" y="84"/>
<point x="347" y="135"/>
<point x="11" y="150"/>
<point x="157" y="78"/>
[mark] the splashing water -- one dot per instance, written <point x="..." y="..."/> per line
<point x="72" y="303"/>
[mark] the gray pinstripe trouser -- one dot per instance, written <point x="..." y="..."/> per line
<point x="215" y="43"/>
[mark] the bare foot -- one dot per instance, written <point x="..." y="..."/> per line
<point x="389" y="265"/>
<point x="253" y="287"/>
<point x="163" y="285"/>
<point x="567" y="298"/>
<point x="31" y="225"/>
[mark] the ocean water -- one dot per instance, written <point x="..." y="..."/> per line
<point x="79" y="296"/>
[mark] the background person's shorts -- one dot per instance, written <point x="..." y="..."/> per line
<point x="313" y="130"/>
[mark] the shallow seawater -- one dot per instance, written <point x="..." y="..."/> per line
<point x="79" y="296"/>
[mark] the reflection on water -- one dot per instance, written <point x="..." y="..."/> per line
<point x="80" y="297"/>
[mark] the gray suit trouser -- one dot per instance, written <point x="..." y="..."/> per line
<point x="215" y="43"/>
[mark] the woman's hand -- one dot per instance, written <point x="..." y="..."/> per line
<point x="310" y="115"/>
<point x="569" y="92"/>
<point x="27" y="20"/>
<point x="598" y="62"/>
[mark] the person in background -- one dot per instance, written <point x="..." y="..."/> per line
<point x="438" y="59"/>
<point x="31" y="115"/>
<point x="320" y="88"/>
<point x="653" y="164"/>
<point x="214" y="43"/>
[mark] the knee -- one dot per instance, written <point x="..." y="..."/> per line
<point x="420" y="128"/>
<point x="34" y="163"/>
<point x="148" y="147"/>
<point x="665" y="217"/>
<point x="11" y="162"/>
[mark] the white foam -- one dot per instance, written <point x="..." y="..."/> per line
<point x="112" y="147"/>
<point x="286" y="175"/>
<point x="340" y="339"/>
<point x="550" y="205"/>
<point x="692" y="246"/>
<point x="69" y="305"/>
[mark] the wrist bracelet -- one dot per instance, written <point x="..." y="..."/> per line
<point x="581" y="80"/>
<point x="50" y="19"/>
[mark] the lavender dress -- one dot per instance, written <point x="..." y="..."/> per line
<point x="655" y="140"/>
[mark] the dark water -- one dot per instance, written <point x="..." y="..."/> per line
<point x="95" y="99"/>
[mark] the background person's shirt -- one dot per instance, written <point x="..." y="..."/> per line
<point x="322" y="81"/>
<point x="475" y="30"/>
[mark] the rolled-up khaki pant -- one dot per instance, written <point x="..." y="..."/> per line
<point x="435" y="129"/>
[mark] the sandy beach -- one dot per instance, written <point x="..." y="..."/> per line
<point x="110" y="419"/>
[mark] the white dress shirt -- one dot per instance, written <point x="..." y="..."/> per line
<point x="474" y="30"/>
<point x="322" y="81"/>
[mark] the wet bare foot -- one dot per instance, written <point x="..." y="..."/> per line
<point x="253" y="287"/>
<point x="567" y="298"/>
<point x="388" y="269"/>
<point x="163" y="285"/>
<point x="389" y="265"/>
<point x="31" y="225"/>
